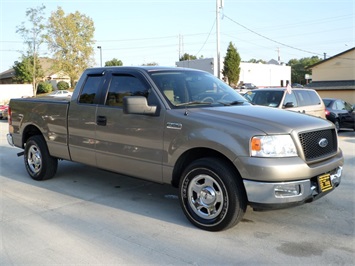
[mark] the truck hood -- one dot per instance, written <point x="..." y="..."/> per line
<point x="266" y="119"/>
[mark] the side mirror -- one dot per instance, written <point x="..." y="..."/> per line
<point x="288" y="105"/>
<point x="137" y="105"/>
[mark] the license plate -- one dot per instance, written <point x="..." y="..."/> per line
<point x="324" y="182"/>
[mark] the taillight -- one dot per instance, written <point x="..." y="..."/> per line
<point x="9" y="115"/>
<point x="327" y="112"/>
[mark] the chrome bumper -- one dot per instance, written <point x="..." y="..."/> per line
<point x="281" y="194"/>
<point x="10" y="139"/>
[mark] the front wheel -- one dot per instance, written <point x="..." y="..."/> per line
<point x="212" y="194"/>
<point x="39" y="164"/>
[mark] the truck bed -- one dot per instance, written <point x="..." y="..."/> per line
<point x="50" y="115"/>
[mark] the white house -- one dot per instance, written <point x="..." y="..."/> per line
<point x="262" y="75"/>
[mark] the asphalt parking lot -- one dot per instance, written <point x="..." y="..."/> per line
<point x="91" y="217"/>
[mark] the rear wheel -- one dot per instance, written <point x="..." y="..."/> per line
<point x="212" y="194"/>
<point x="39" y="164"/>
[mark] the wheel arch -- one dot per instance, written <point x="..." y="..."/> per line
<point x="193" y="154"/>
<point x="29" y="131"/>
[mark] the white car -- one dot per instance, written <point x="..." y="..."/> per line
<point x="61" y="93"/>
<point x="296" y="99"/>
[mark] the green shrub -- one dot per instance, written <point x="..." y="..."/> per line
<point x="62" y="85"/>
<point x="44" y="87"/>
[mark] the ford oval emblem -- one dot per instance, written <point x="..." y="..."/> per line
<point x="323" y="143"/>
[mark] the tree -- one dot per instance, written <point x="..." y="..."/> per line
<point x="44" y="87"/>
<point x="62" y="85"/>
<point x="33" y="38"/>
<point x="151" y="64"/>
<point x="256" y="61"/>
<point x="114" y="62"/>
<point x="70" y="38"/>
<point x="231" y="62"/>
<point x="187" y="57"/>
<point x="24" y="71"/>
<point x="299" y="68"/>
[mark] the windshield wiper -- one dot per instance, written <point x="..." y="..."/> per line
<point x="193" y="102"/>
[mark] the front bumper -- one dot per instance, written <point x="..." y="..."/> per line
<point x="10" y="139"/>
<point x="276" y="195"/>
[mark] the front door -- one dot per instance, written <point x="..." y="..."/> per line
<point x="127" y="143"/>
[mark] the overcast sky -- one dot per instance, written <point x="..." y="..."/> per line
<point x="144" y="31"/>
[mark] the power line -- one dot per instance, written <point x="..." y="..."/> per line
<point x="138" y="39"/>
<point x="308" y="23"/>
<point x="208" y="36"/>
<point x="286" y="45"/>
<point x="150" y="38"/>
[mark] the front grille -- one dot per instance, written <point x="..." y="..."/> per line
<point x="312" y="149"/>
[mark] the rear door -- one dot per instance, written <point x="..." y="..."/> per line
<point x="82" y="120"/>
<point x="127" y="143"/>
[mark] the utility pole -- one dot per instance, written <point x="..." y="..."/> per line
<point x="219" y="5"/>
<point x="34" y="67"/>
<point x="181" y="46"/>
<point x="99" y="47"/>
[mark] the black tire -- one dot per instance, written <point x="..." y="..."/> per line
<point x="212" y="195"/>
<point x="39" y="164"/>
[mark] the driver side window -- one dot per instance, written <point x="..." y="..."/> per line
<point x="290" y="98"/>
<point x="124" y="85"/>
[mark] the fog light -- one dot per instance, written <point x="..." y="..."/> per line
<point x="287" y="190"/>
<point x="335" y="178"/>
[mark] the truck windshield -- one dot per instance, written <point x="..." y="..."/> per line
<point x="195" y="88"/>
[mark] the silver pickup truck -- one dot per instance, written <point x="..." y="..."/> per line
<point x="183" y="127"/>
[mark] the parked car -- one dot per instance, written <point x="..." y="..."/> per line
<point x="3" y="111"/>
<point x="61" y="93"/>
<point x="299" y="100"/>
<point x="340" y="112"/>
<point x="248" y="86"/>
<point x="296" y="85"/>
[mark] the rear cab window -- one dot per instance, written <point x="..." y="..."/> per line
<point x="91" y="89"/>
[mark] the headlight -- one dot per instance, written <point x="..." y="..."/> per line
<point x="273" y="146"/>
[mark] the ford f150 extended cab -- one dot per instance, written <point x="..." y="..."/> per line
<point x="183" y="127"/>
